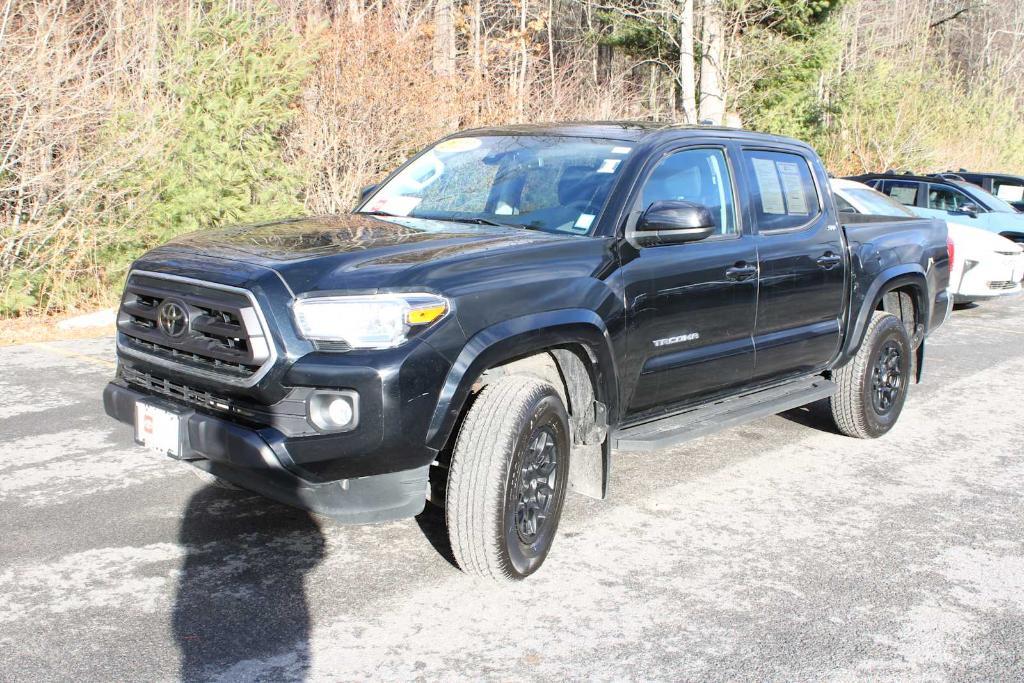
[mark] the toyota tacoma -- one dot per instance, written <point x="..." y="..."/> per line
<point x="511" y="310"/>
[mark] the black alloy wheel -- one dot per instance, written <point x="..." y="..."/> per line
<point x="886" y="378"/>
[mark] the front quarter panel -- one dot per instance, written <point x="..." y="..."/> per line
<point x="521" y="303"/>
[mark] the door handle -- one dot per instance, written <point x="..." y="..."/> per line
<point x="741" y="271"/>
<point x="828" y="260"/>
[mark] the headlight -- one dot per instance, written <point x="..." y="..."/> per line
<point x="380" y="321"/>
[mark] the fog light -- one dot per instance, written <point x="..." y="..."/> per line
<point x="340" y="411"/>
<point x="334" y="411"/>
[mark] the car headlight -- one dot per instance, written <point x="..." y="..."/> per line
<point x="379" y="321"/>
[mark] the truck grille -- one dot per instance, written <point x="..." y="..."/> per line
<point x="199" y="327"/>
<point x="287" y="415"/>
<point x="179" y="392"/>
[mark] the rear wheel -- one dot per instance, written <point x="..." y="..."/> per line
<point x="873" y="385"/>
<point x="507" y="480"/>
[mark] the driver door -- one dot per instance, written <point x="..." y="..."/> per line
<point x="692" y="306"/>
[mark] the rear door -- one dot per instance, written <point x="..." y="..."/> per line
<point x="691" y="306"/>
<point x="802" y="263"/>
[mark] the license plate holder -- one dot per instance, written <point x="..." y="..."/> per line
<point x="160" y="428"/>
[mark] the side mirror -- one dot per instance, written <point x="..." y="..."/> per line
<point x="674" y="222"/>
<point x="971" y="210"/>
<point x="367" y="191"/>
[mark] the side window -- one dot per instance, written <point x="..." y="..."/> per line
<point x="695" y="175"/>
<point x="903" y="191"/>
<point x="843" y="205"/>
<point x="943" y="198"/>
<point x="784" y="192"/>
<point x="1008" y="191"/>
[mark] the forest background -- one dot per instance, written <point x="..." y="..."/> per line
<point x="126" y="122"/>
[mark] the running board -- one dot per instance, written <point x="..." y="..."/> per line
<point x="728" y="412"/>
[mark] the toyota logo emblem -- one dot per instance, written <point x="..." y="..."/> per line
<point x="172" y="318"/>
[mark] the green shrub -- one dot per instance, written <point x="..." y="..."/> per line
<point x="199" y="146"/>
<point x="923" y="118"/>
<point x="232" y="79"/>
<point x="18" y="295"/>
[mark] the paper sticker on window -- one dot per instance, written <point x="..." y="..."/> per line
<point x="796" y="198"/>
<point x="584" y="221"/>
<point x="397" y="205"/>
<point x="768" y="183"/>
<point x="458" y="145"/>
<point x="904" y="195"/>
<point x="1010" y="193"/>
<point x="609" y="165"/>
<point x="621" y="150"/>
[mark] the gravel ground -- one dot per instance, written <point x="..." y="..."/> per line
<point x="775" y="550"/>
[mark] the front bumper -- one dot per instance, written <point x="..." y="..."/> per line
<point x="254" y="459"/>
<point x="992" y="276"/>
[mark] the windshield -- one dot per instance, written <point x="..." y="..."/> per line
<point x="551" y="183"/>
<point x="986" y="199"/>
<point x="873" y="202"/>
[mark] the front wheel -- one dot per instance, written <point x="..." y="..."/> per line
<point x="507" y="480"/>
<point x="873" y="385"/>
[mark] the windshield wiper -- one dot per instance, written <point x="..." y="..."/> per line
<point x="377" y="212"/>
<point x="474" y="221"/>
<point x="487" y="221"/>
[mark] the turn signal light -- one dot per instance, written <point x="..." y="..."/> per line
<point x="425" y="315"/>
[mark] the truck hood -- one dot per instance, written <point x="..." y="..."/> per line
<point x="352" y="251"/>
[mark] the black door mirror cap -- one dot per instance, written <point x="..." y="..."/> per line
<point x="674" y="222"/>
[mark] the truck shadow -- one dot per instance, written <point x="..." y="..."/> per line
<point x="240" y="609"/>
<point x="814" y="415"/>
<point x="434" y="528"/>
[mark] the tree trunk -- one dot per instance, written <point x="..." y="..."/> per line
<point x="524" y="56"/>
<point x="652" y="92"/>
<point x="477" y="46"/>
<point x="551" y="47"/>
<point x="687" y="70"/>
<point x="712" y="97"/>
<point x="444" y="38"/>
<point x="355" y="11"/>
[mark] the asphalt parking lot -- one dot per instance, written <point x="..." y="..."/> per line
<point x="777" y="550"/>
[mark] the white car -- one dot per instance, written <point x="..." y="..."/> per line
<point x="985" y="265"/>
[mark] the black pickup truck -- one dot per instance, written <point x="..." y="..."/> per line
<point x="512" y="308"/>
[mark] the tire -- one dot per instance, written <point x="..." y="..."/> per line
<point x="873" y="386"/>
<point x="507" y="479"/>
